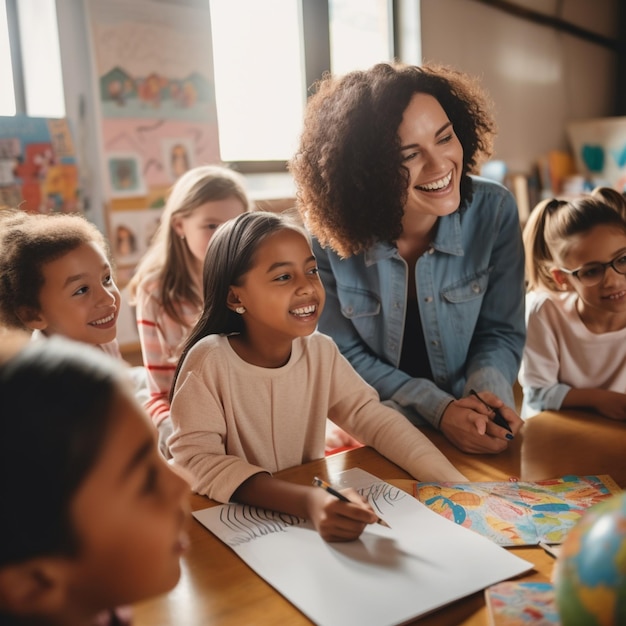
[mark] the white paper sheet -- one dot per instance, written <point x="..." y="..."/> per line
<point x="387" y="577"/>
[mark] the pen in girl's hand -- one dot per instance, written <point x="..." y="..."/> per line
<point x="318" y="482"/>
<point x="498" y="419"/>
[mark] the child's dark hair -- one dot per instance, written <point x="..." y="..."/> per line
<point x="55" y="409"/>
<point x="27" y="243"/>
<point x="230" y="255"/>
<point x="553" y="223"/>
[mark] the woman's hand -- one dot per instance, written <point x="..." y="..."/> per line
<point x="336" y="520"/>
<point x="468" y="424"/>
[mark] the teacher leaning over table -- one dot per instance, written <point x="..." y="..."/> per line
<point x="422" y="261"/>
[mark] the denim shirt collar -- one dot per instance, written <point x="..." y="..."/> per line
<point x="447" y="240"/>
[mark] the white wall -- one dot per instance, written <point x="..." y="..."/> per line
<point x="539" y="78"/>
<point x="78" y="87"/>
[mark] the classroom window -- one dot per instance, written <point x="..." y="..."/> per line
<point x="30" y="60"/>
<point x="267" y="55"/>
<point x="259" y="83"/>
<point x="7" y="96"/>
<point x="361" y="34"/>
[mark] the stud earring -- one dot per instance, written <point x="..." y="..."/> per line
<point x="240" y="309"/>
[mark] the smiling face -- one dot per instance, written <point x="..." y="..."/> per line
<point x="129" y="515"/>
<point x="433" y="156"/>
<point x="282" y="294"/>
<point x="79" y="298"/>
<point x="601" y="244"/>
<point x="198" y="226"/>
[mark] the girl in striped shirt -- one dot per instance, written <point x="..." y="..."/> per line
<point x="167" y="286"/>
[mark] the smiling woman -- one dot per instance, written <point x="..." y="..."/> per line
<point x="422" y="261"/>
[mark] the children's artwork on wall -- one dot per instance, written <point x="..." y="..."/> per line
<point x="178" y="156"/>
<point x="599" y="147"/>
<point x="125" y="175"/>
<point x="155" y="102"/>
<point x="155" y="91"/>
<point x="130" y="235"/>
<point x="38" y="170"/>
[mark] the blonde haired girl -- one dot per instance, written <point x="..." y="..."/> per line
<point x="167" y="287"/>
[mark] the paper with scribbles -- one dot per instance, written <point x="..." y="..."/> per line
<point x="518" y="513"/>
<point x="386" y="577"/>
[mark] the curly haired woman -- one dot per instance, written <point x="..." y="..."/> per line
<point x="422" y="260"/>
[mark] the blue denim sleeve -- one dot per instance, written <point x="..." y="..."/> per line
<point x="491" y="360"/>
<point x="498" y="341"/>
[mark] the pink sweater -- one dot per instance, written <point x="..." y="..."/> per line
<point x="233" y="419"/>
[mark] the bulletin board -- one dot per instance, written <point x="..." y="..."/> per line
<point x="38" y="171"/>
<point x="153" y="75"/>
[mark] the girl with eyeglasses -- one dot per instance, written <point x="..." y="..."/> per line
<point x="575" y="353"/>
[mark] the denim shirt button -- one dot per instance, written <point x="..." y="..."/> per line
<point x="392" y="346"/>
<point x="431" y="250"/>
<point x="349" y="310"/>
<point x="475" y="287"/>
<point x="428" y="299"/>
<point x="434" y="342"/>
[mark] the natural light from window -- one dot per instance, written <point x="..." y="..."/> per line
<point x="258" y="78"/>
<point x="41" y="58"/>
<point x="259" y="67"/>
<point x="7" y="96"/>
<point x="360" y="34"/>
<point x="40" y="61"/>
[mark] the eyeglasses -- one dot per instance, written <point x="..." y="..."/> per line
<point x="592" y="274"/>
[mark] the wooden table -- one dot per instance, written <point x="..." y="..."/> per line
<point x="218" y="589"/>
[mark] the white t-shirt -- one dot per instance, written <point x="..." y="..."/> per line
<point x="561" y="353"/>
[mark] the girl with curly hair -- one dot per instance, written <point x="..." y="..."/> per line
<point x="422" y="260"/>
<point x="56" y="278"/>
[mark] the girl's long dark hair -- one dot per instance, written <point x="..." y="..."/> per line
<point x="229" y="257"/>
<point x="56" y="399"/>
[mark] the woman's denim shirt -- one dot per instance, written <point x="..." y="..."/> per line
<point x="470" y="288"/>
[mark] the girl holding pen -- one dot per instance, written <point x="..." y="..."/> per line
<point x="256" y="383"/>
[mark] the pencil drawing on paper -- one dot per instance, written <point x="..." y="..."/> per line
<point x="382" y="492"/>
<point x="249" y="522"/>
<point x="342" y="584"/>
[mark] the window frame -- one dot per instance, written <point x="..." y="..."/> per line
<point x="316" y="45"/>
<point x="15" y="45"/>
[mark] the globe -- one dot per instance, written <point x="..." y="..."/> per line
<point x="590" y="574"/>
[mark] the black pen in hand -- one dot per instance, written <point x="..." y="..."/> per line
<point x="498" y="419"/>
<point x="318" y="482"/>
